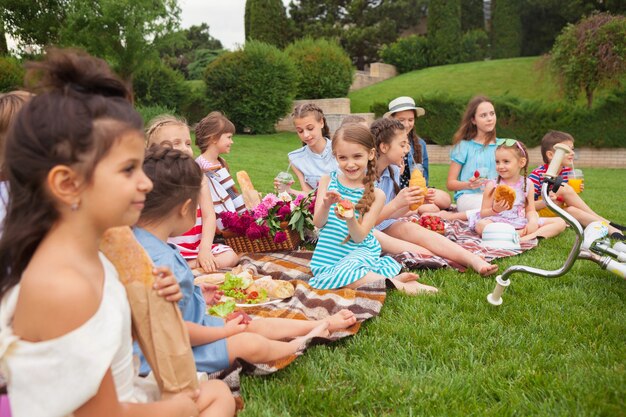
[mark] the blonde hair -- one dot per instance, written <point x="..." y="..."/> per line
<point x="520" y="151"/>
<point x="10" y="104"/>
<point x="160" y="121"/>
<point x="356" y="133"/>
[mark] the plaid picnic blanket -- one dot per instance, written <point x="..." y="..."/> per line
<point x="459" y="232"/>
<point x="307" y="303"/>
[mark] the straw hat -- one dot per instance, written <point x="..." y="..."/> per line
<point x="500" y="236"/>
<point x="404" y="103"/>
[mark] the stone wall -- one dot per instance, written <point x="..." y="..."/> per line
<point x="377" y="72"/>
<point x="585" y="157"/>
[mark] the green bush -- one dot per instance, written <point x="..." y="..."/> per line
<point x="254" y="87"/>
<point x="195" y="105"/>
<point x="324" y="68"/>
<point x="202" y="58"/>
<point x="407" y="54"/>
<point x="150" y="112"/>
<point x="11" y="74"/>
<point x="444" y="31"/>
<point x="158" y="84"/>
<point x="506" y="30"/>
<point x="474" y="46"/>
<point x="266" y="21"/>
<point x="529" y="120"/>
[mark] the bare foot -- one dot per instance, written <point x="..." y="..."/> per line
<point x="407" y="277"/>
<point x="318" y="331"/>
<point x="484" y="268"/>
<point x="341" y="320"/>
<point x="414" y="287"/>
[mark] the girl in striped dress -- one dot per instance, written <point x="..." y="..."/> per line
<point x="347" y="253"/>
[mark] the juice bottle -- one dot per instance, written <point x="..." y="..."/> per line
<point x="417" y="179"/>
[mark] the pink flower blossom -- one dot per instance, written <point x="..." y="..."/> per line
<point x="260" y="211"/>
<point x="255" y="231"/>
<point x="283" y="212"/>
<point x="280" y="237"/>
<point x="270" y="201"/>
<point x="228" y="218"/>
<point x="298" y="199"/>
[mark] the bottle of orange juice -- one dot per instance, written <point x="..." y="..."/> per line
<point x="417" y="179"/>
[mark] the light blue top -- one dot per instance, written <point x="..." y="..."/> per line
<point x="474" y="156"/>
<point x="385" y="183"/>
<point x="210" y="357"/>
<point x="313" y="165"/>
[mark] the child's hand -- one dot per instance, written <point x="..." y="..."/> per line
<point x="186" y="403"/>
<point x="499" y="206"/>
<point x="430" y="196"/>
<point x="210" y="293"/>
<point x="331" y="197"/>
<point x="474" y="183"/>
<point x="206" y="260"/>
<point x="166" y="284"/>
<point x="408" y="196"/>
<point x="234" y="326"/>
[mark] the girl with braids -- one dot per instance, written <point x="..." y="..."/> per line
<point x="347" y="253"/>
<point x="315" y="158"/>
<point x="404" y="110"/>
<point x="170" y="208"/>
<point x="196" y="245"/>
<point x="73" y="161"/>
<point x="391" y="147"/>
<point x="512" y="167"/>
<point x="214" y="137"/>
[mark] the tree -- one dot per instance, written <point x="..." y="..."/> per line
<point x="34" y="22"/>
<point x="4" y="49"/>
<point x="472" y="16"/>
<point x="506" y="29"/>
<point x="590" y="54"/>
<point x="444" y="31"/>
<point x="266" y="21"/>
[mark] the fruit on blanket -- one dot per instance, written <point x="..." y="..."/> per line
<point x="246" y="318"/>
<point x="433" y="223"/>
<point x="345" y="208"/>
<point x="417" y="179"/>
<point x="476" y="174"/>
<point x="506" y="193"/>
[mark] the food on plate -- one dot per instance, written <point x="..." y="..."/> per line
<point x="433" y="223"/>
<point x="215" y="279"/>
<point x="275" y="288"/>
<point x="506" y="193"/>
<point x="246" y="318"/>
<point x="222" y="309"/>
<point x="345" y="208"/>
<point x="417" y="179"/>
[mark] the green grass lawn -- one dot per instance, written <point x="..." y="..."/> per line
<point x="516" y="77"/>
<point x="556" y="347"/>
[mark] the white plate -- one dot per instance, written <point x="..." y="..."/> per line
<point x="276" y="300"/>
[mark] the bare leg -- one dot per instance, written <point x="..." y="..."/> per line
<point x="255" y="348"/>
<point x="442" y="199"/>
<point x="411" y="287"/>
<point x="585" y="218"/>
<point x="278" y="328"/>
<point x="227" y="259"/>
<point x="396" y="246"/>
<point x="480" y="226"/>
<point x="441" y="246"/>
<point x="447" y="215"/>
<point x="552" y="226"/>
<point x="572" y="199"/>
<point x="215" y="399"/>
<point x="428" y="208"/>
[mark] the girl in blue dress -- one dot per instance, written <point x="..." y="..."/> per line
<point x="347" y="253"/>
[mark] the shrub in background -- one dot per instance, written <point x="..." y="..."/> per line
<point x="407" y="54"/>
<point x="506" y="29"/>
<point x="11" y="74"/>
<point x="202" y="58"/>
<point x="158" y="84"/>
<point x="324" y="68"/>
<point x="444" y="31"/>
<point x="254" y="86"/>
<point x="150" y="112"/>
<point x="266" y="21"/>
<point x="474" y="46"/>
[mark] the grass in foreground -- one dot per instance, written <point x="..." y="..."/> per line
<point x="556" y="347"/>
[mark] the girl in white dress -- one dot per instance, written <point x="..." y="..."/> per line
<point x="74" y="164"/>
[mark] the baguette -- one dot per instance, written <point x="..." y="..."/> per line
<point x="251" y="196"/>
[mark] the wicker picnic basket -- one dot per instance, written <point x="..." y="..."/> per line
<point x="242" y="244"/>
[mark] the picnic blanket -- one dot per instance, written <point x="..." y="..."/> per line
<point x="307" y="303"/>
<point x="459" y="232"/>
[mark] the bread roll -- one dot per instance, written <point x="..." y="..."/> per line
<point x="417" y="179"/>
<point x="251" y="196"/>
<point x="506" y="193"/>
<point x="275" y="288"/>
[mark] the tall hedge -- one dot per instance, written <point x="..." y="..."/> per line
<point x="254" y="86"/>
<point x="11" y="74"/>
<point x="324" y="68"/>
<point x="506" y="29"/>
<point x="158" y="84"/>
<point x="527" y="120"/>
<point x="266" y="21"/>
<point x="407" y="54"/>
<point x="444" y="31"/>
<point x="472" y="15"/>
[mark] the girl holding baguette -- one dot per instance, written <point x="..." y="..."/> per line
<point x="169" y="210"/>
<point x="73" y="161"/>
<point x="391" y="146"/>
<point x="196" y="245"/>
<point x="348" y="204"/>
